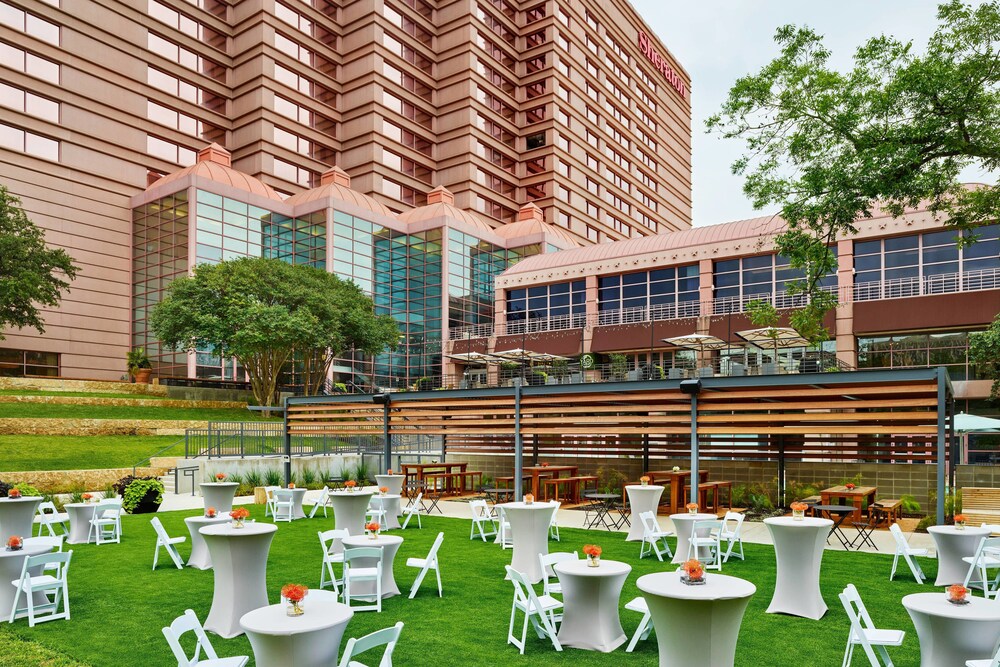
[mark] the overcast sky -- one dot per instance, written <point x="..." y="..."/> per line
<point x="718" y="41"/>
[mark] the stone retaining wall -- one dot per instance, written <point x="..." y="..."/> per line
<point x="14" y="426"/>
<point x="65" y="481"/>
<point x="121" y="402"/>
<point x="92" y="386"/>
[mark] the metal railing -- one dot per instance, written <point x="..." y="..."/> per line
<point x="946" y="283"/>
<point x="255" y="439"/>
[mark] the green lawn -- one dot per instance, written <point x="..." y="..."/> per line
<point x="80" y="452"/>
<point x="118" y="604"/>
<point x="75" y="394"/>
<point x="50" y="411"/>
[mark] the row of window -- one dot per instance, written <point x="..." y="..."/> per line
<point x="20" y="60"/>
<point x="29" y="103"/>
<point x="26" y="22"/>
<point x="925" y="256"/>
<point x="23" y="141"/>
<point x="20" y="363"/>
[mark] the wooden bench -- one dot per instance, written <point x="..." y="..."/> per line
<point x="573" y="485"/>
<point x="893" y="509"/>
<point x="980" y="505"/>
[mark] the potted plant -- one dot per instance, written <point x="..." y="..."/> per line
<point x="138" y="365"/>
<point x="140" y="495"/>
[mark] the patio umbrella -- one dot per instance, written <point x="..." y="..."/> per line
<point x="697" y="341"/>
<point x="965" y="423"/>
<point x="473" y="357"/>
<point x="776" y="337"/>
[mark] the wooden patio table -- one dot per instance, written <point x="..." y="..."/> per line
<point x="418" y="470"/>
<point x="856" y="496"/>
<point x="677" y="479"/>
<point x="550" y="471"/>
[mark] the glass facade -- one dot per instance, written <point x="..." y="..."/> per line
<point x="666" y="293"/>
<point x="919" y="350"/>
<point x="762" y="277"/>
<point x="549" y="305"/>
<point x="21" y="363"/>
<point x="473" y="265"/>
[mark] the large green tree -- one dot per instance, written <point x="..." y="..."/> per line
<point x="830" y="147"/>
<point x="984" y="351"/>
<point x="31" y="274"/>
<point x="264" y="312"/>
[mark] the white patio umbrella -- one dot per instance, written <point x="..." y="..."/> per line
<point x="965" y="423"/>
<point x="697" y="341"/>
<point x="774" y="337"/>
<point x="473" y="357"/>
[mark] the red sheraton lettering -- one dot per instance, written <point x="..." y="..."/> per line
<point x="660" y="64"/>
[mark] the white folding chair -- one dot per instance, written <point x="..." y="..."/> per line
<point x="48" y="518"/>
<point x="987" y="558"/>
<point x="551" y="585"/>
<point x="54" y="543"/>
<point x="375" y="511"/>
<point x="425" y="565"/>
<point x="482" y="520"/>
<point x="864" y="633"/>
<point x="506" y="534"/>
<point x="652" y="534"/>
<point x="706" y="535"/>
<point x="106" y="525"/>
<point x="988" y="662"/>
<point x="284" y="505"/>
<point x="645" y="624"/>
<point x="53" y="586"/>
<point x="386" y="637"/>
<point x="356" y="573"/>
<point x="554" y="525"/>
<point x="732" y="534"/>
<point x="903" y="549"/>
<point x="165" y="541"/>
<point x="414" y="509"/>
<point x="269" y="495"/>
<point x="322" y="501"/>
<point x="187" y="623"/>
<point x="328" y="540"/>
<point x="541" y="611"/>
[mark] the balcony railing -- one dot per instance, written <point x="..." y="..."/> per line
<point x="946" y="283"/>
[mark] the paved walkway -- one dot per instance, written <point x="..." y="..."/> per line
<point x="754" y="532"/>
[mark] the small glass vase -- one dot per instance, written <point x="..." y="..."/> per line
<point x="295" y="608"/>
<point x="959" y="525"/>
<point x="644" y="482"/>
<point x="798" y="515"/>
<point x="373" y="535"/>
<point x="237" y="523"/>
<point x="692" y="510"/>
<point x="594" y="561"/>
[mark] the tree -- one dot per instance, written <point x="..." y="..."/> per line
<point x="831" y="147"/>
<point x="264" y="311"/>
<point x="984" y="352"/>
<point x="31" y="274"/>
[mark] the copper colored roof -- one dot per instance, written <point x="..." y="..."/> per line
<point x="730" y="231"/>
<point x="213" y="164"/>
<point x="340" y="193"/>
<point x="530" y="227"/>
<point x="441" y="209"/>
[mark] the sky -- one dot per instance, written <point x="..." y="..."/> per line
<point x="718" y="41"/>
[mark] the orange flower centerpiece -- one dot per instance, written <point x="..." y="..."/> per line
<point x="799" y="510"/>
<point x="86" y="497"/>
<point x="959" y="522"/>
<point x="957" y="594"/>
<point x="239" y="515"/>
<point x="382" y="490"/>
<point x="692" y="508"/>
<point x="545" y="464"/>
<point x="291" y="485"/>
<point x="694" y="572"/>
<point x="389" y="471"/>
<point x="528" y="499"/>
<point x="350" y="484"/>
<point x="210" y="512"/>
<point x="294" y="593"/>
<point x="849" y="486"/>
<point x="14" y="493"/>
<point x="220" y="477"/>
<point x="644" y="480"/>
<point x="593" y="555"/>
<point x="372" y="528"/>
<point x="15" y="543"/>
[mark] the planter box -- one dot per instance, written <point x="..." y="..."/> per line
<point x="259" y="495"/>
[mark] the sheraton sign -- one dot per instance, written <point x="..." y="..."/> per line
<point x="660" y="63"/>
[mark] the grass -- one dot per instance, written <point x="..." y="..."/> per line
<point x="75" y="394"/>
<point x="47" y="411"/>
<point x="118" y="604"/>
<point x="80" y="452"/>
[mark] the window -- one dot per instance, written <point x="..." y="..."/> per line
<point x="496" y="52"/>
<point x="305" y="116"/>
<point x="24" y="141"/>
<point x="408" y="53"/>
<point x="184" y="123"/>
<point x="24" y="61"/>
<point x="495" y="104"/>
<point x="547" y="307"/>
<point x="29" y="103"/>
<point x="169" y="151"/>
<point x="406" y="138"/>
<point x="28" y="23"/>
<point x="184" y="57"/>
<point x="496" y="25"/>
<point x="407" y="81"/>
<point x="920" y="350"/>
<point x="497" y="158"/>
<point x="535" y="115"/>
<point x="304" y="85"/>
<point x="495" y="130"/>
<point x="186" y="25"/>
<point x="184" y="90"/>
<point x="533" y="141"/>
<point x="494" y="209"/>
<point x="295" y="174"/>
<point x="408" y="25"/>
<point x="666" y="293"/>
<point x="497" y="184"/>
<point x="593" y="234"/>
<point x="562" y="142"/>
<point x="20" y="363"/>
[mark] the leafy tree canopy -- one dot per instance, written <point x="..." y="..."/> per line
<point x="831" y="147"/>
<point x="31" y="274"/>
<point x="984" y="351"/>
<point x="263" y="311"/>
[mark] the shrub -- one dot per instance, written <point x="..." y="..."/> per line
<point x="309" y="478"/>
<point x="4" y="488"/>
<point x="924" y="523"/>
<point x="610" y="480"/>
<point x="272" y="477"/>
<point x="110" y="491"/>
<point x="908" y="504"/>
<point x="253" y="479"/>
<point x="362" y="473"/>
<point x="799" y="490"/>
<point x="27" y="489"/>
<point x="141" y="489"/>
<point x="76" y="494"/>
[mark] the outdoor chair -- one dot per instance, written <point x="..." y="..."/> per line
<point x="189" y="623"/>
<point x="427" y="564"/>
<point x="164" y="541"/>
<point x="540" y="611"/>
<point x="652" y="535"/>
<point x="386" y="637"/>
<point x="864" y="633"/>
<point x="355" y="574"/>
<point x="482" y="520"/>
<point x="284" y="505"/>
<point x="336" y="481"/>
<point x="867" y="527"/>
<point x="506" y="534"/>
<point x="53" y="543"/>
<point x="675" y="373"/>
<point x="269" y="496"/>
<point x="414" y="509"/>
<point x="328" y="540"/>
<point x="323" y="501"/>
<point x="554" y="524"/>
<point x="988" y="662"/>
<point x="53" y="586"/>
<point x="48" y="518"/>
<point x="903" y="549"/>
<point x="375" y="511"/>
<point x="706" y="535"/>
<point x="550" y="584"/>
<point x="987" y="558"/>
<point x="732" y="534"/>
<point x="106" y="526"/>
<point x="645" y="624"/>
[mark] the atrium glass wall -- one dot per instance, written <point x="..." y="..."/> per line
<point x="473" y="265"/>
<point x="920" y="350"/>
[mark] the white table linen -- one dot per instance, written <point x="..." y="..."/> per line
<point x="683" y="525"/>
<point x="529" y="528"/>
<point x="200" y="558"/>
<point x="952" y="545"/>
<point x="950" y="634"/>
<point x="298" y="495"/>
<point x="11" y="565"/>
<point x="641" y="499"/>
<point x="393" y="482"/>
<point x="798" y="550"/>
<point x="390" y="503"/>
<point x="590" y="604"/>
<point x="310" y="640"/>
<point x="349" y="509"/>
<point x="390" y="545"/>
<point x="16" y="516"/>
<point x="80" y="515"/>
<point x="239" y="559"/>
<point x="219" y="495"/>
